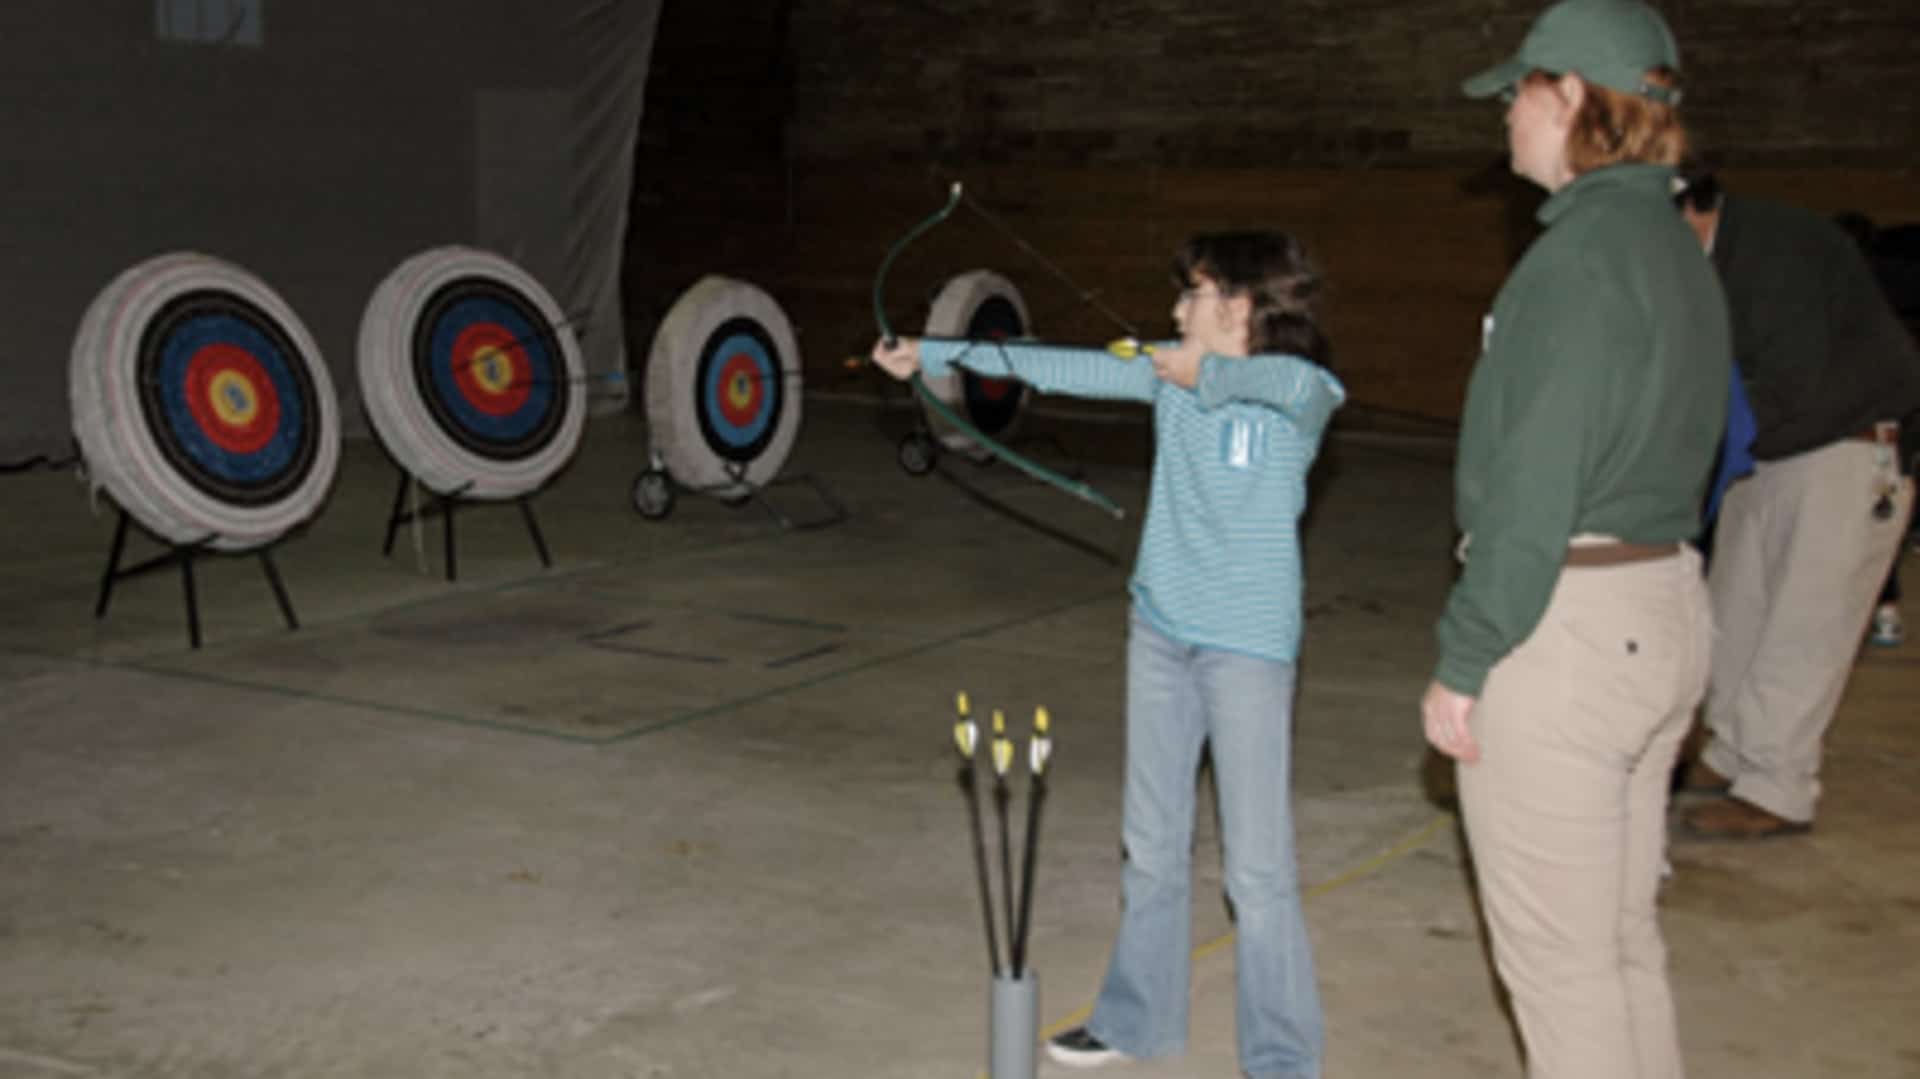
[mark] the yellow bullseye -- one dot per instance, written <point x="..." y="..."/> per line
<point x="740" y="390"/>
<point x="492" y="370"/>
<point x="233" y="398"/>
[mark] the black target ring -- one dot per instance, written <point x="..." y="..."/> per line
<point x="515" y="429"/>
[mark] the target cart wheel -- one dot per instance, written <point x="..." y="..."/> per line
<point x="653" y="495"/>
<point x="918" y="452"/>
<point x="201" y="404"/>
<point x="723" y="389"/>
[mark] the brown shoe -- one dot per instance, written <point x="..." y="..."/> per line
<point x="1731" y="818"/>
<point x="1697" y="778"/>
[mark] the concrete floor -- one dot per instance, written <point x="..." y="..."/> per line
<point x="682" y="805"/>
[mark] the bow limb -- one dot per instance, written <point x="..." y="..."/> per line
<point x="1040" y="472"/>
<point x="880" y="275"/>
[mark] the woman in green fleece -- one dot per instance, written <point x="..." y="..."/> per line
<point x="1574" y="647"/>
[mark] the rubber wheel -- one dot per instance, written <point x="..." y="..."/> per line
<point x="653" y="495"/>
<point x="917" y="452"/>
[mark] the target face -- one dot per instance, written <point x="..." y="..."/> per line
<point x="723" y="387"/>
<point x="739" y="391"/>
<point x="993" y="404"/>
<point x="201" y="404"/>
<point x="978" y="306"/>
<point x="227" y="398"/>
<point x="484" y="362"/>
<point x="470" y="375"/>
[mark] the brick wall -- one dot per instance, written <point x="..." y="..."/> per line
<point x="788" y="142"/>
<point x="1323" y="82"/>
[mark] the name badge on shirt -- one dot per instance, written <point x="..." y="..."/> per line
<point x="1242" y="443"/>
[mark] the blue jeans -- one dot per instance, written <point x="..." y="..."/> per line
<point x="1179" y="697"/>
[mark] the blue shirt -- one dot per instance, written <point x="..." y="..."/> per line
<point x="1219" y="563"/>
<point x="1736" y="447"/>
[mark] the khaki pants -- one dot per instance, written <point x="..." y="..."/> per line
<point x="1798" y="561"/>
<point x="1566" y="813"/>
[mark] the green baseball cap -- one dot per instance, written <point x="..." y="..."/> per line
<point x="1611" y="43"/>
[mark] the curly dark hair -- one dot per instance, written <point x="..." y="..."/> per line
<point x="1273" y="270"/>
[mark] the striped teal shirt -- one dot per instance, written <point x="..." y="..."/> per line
<point x="1219" y="561"/>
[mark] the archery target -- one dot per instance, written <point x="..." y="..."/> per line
<point x="978" y="306"/>
<point x="723" y="387"/>
<point x="201" y="404"/>
<point x="470" y="374"/>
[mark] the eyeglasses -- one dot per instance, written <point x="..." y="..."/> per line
<point x="1513" y="88"/>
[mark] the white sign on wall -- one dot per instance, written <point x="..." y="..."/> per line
<point x="210" y="22"/>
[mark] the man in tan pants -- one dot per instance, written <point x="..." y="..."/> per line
<point x="1803" y="545"/>
<point x="1799" y="559"/>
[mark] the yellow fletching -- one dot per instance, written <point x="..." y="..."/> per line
<point x="961" y="704"/>
<point x="964" y="736"/>
<point x="999" y="722"/>
<point x="1002" y="755"/>
<point x="1128" y="348"/>
<point x="1041" y="720"/>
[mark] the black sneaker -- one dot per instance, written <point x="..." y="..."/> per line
<point x="1077" y="1048"/>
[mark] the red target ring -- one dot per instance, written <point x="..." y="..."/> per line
<point x="741" y="394"/>
<point x="995" y="389"/>
<point x="491" y="369"/>
<point x="232" y="398"/>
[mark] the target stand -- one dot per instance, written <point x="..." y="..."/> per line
<point x="921" y="450"/>
<point x="183" y="555"/>
<point x="202" y="408"/>
<point x="723" y="407"/>
<point x="655" y="491"/>
<point x="441" y="504"/>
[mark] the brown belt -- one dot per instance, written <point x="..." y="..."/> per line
<point x="1617" y="554"/>
<point x="1884" y="433"/>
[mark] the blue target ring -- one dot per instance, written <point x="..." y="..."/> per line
<point x="740" y="390"/>
<point x="487" y="365"/>
<point x="228" y="398"/>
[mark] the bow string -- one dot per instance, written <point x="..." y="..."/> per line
<point x="1077" y="488"/>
